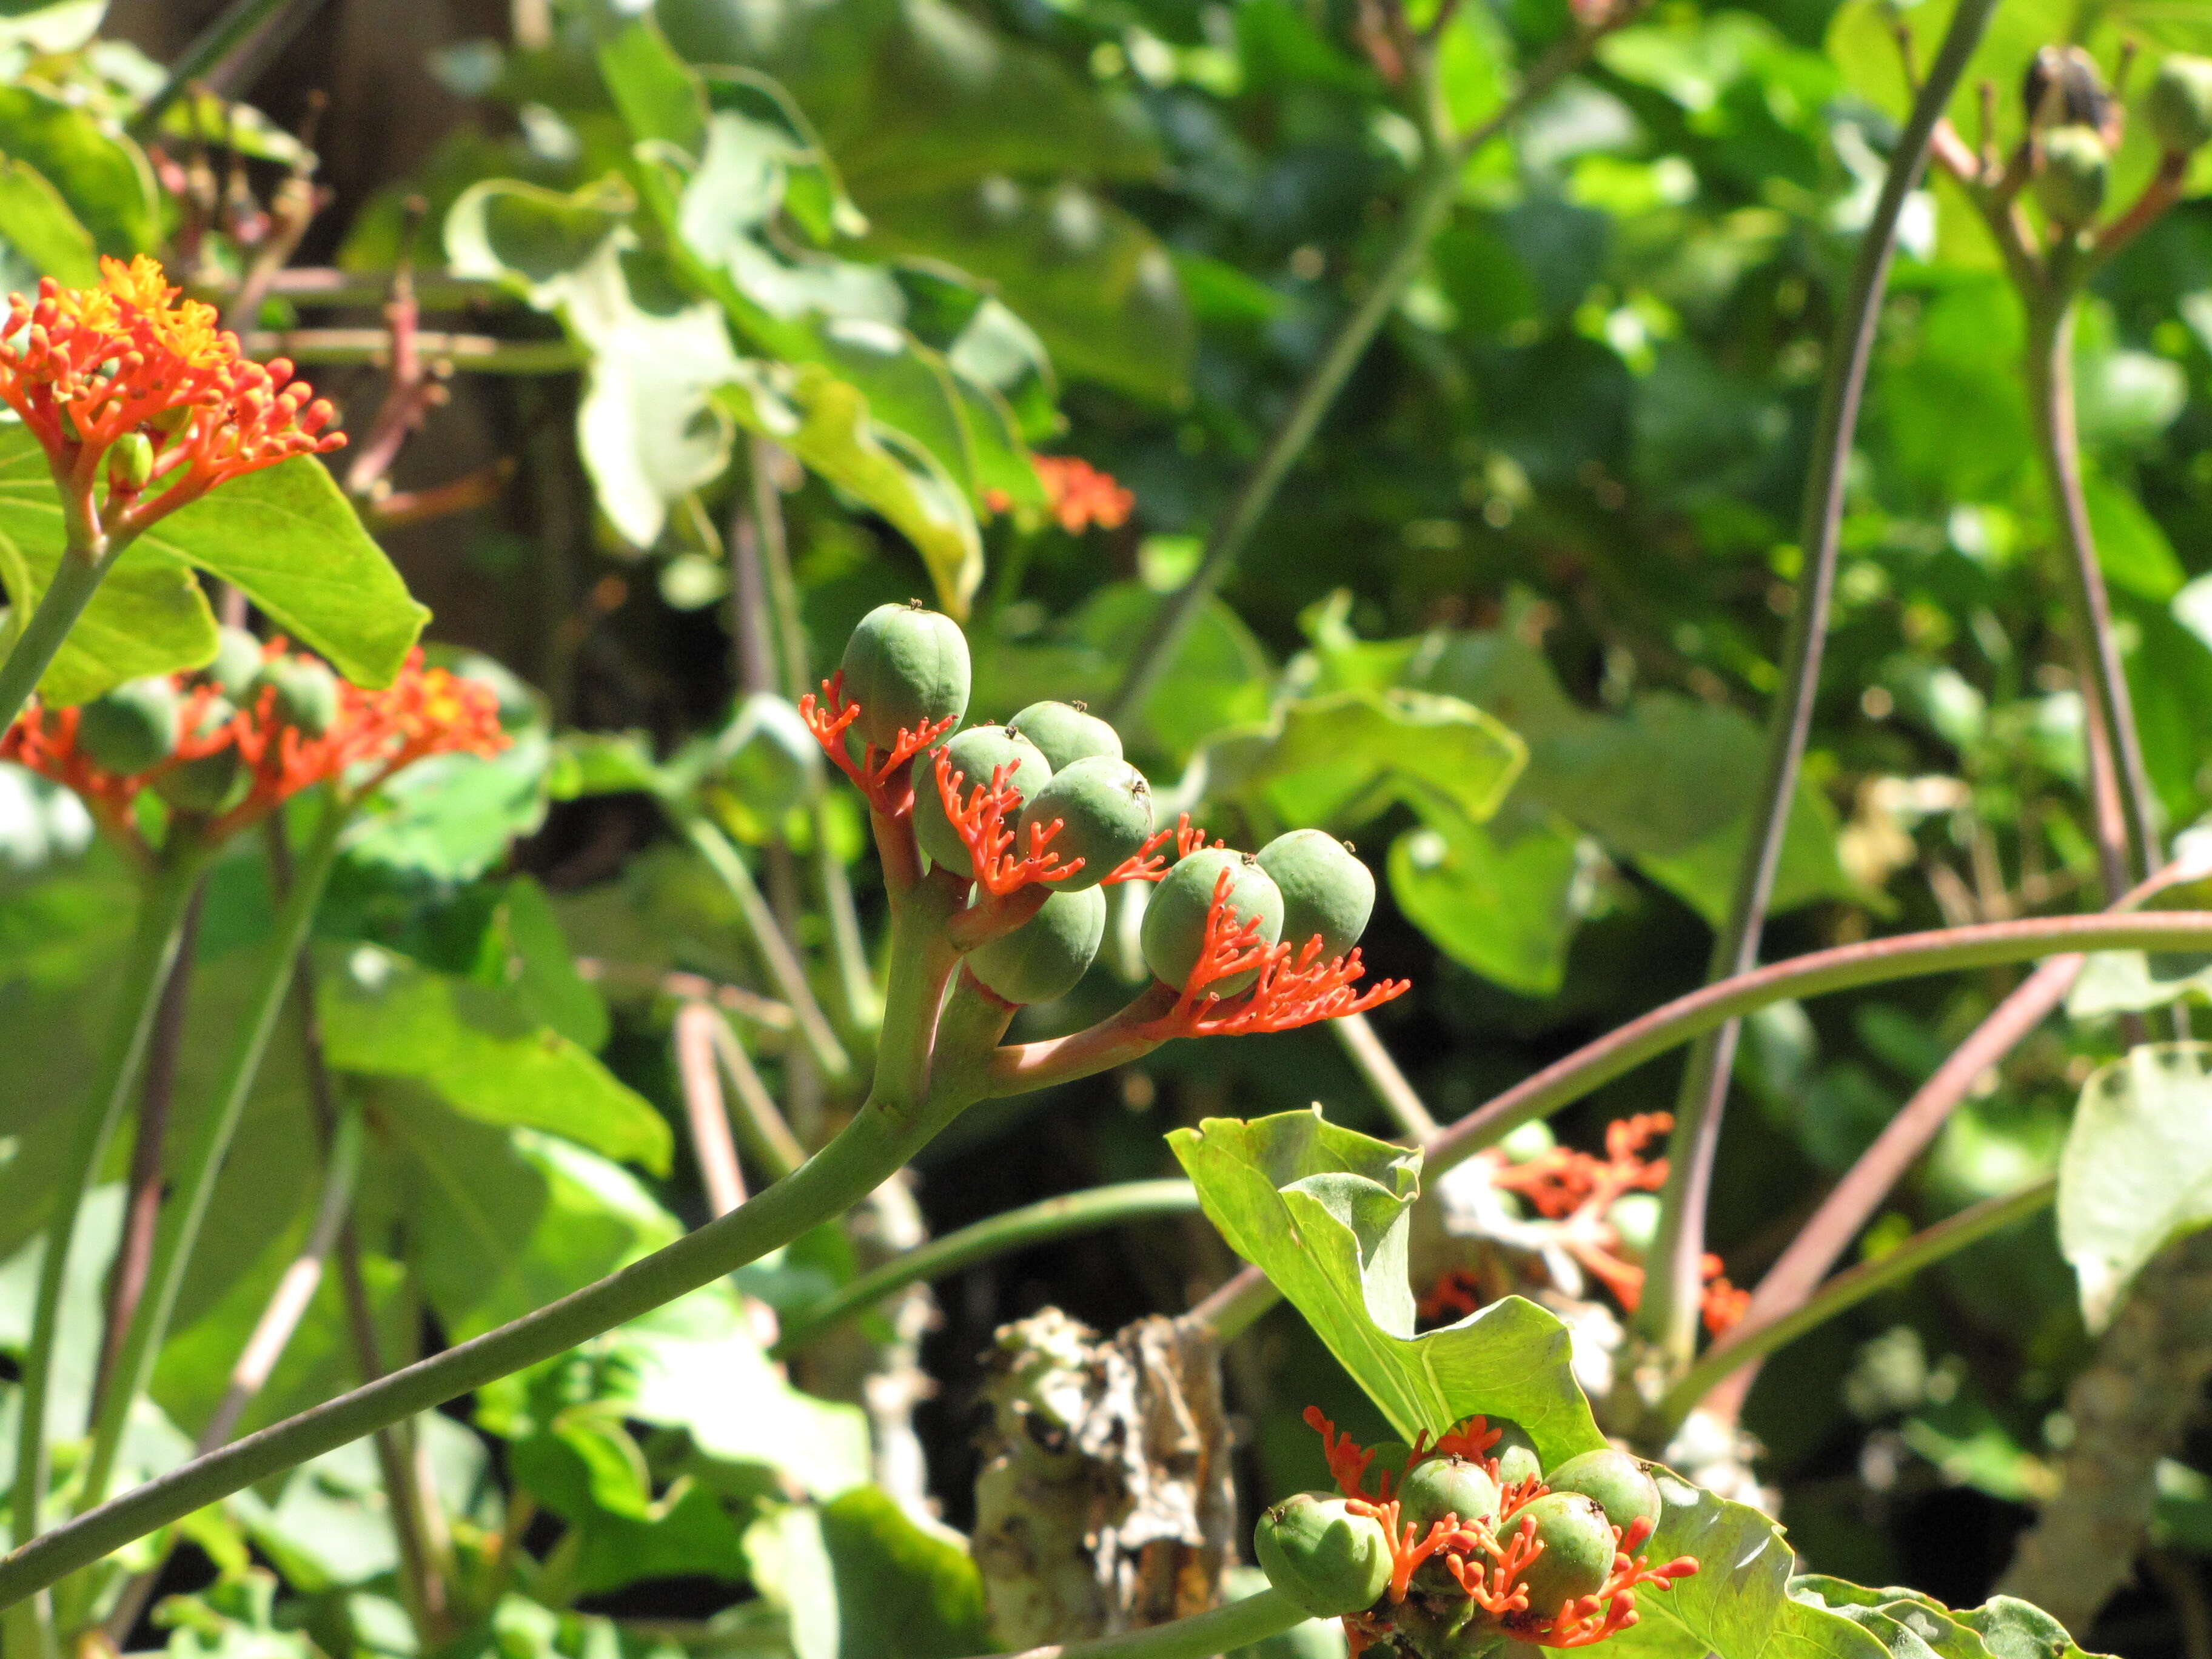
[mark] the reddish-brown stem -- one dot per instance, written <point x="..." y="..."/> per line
<point x="1017" y="1068"/>
<point x="704" y="1112"/>
<point x="2164" y="190"/>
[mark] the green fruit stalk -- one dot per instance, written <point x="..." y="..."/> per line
<point x="977" y="753"/>
<point x="1064" y="733"/>
<point x="1044" y="957"/>
<point x="1329" y="1560"/>
<point x="1619" y="1483"/>
<point x="131" y="729"/>
<point x="1105" y="807"/>
<point x="907" y="668"/>
<point x="1326" y="890"/>
<point x="1174" y="935"/>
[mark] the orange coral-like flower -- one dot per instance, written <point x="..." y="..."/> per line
<point x="981" y="823"/>
<point x="1148" y="863"/>
<point x="89" y="367"/>
<point x="424" y="712"/>
<point x="1077" y="495"/>
<point x="883" y="778"/>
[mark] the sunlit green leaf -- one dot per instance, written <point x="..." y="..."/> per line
<point x="2136" y="1172"/>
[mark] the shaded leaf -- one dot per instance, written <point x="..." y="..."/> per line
<point x="1505" y="908"/>
<point x="2137" y="1170"/>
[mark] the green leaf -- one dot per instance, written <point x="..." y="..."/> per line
<point x="2137" y="1170"/>
<point x="1323" y="1212"/>
<point x="50" y="26"/>
<point x="43" y="237"/>
<point x="601" y="764"/>
<point x="859" y="1578"/>
<point x="825" y="421"/>
<point x="478" y="1050"/>
<point x="97" y="170"/>
<point x="1505" y="908"/>
<point x="2132" y="551"/>
<point x="290" y="541"/>
<point x="452" y="817"/>
<point x="1356" y="745"/>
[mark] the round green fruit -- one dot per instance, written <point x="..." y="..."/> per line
<point x="1105" y="812"/>
<point x="1065" y="733"/>
<point x="1514" y="1451"/>
<point x="1619" y="1483"/>
<point x="1577" y="1554"/>
<point x="307" y="692"/>
<point x="1173" y="934"/>
<point x="2177" y="108"/>
<point x="2070" y="182"/>
<point x="1323" y="1556"/>
<point x="1325" y="890"/>
<point x="1531" y="1140"/>
<point x="1044" y="957"/>
<point x="212" y="783"/>
<point x="767" y="758"/>
<point x="132" y="728"/>
<point x="1635" y="1218"/>
<point x="236" y="665"/>
<point x="907" y="668"/>
<point x="1438" y="1488"/>
<point x="975" y="753"/>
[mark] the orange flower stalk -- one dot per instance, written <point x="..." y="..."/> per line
<point x="883" y="778"/>
<point x="122" y="364"/>
<point x="426" y="711"/>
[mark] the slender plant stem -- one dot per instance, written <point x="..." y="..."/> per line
<point x="77" y="579"/>
<point x="233" y="28"/>
<point x="144" y="972"/>
<point x="1236" y="1304"/>
<point x="1669" y="1313"/>
<point x="2051" y="400"/>
<point x="929" y="1069"/>
<point x="768" y="1136"/>
<point x="183" y="1216"/>
<point x="783" y="963"/>
<point x="1399" y="1097"/>
<point x="1015" y="1229"/>
<point x="1846" y="1290"/>
<point x="126" y="1278"/>
<point x="708" y="1118"/>
<point x="272" y="1334"/>
<point x="1224" y="1630"/>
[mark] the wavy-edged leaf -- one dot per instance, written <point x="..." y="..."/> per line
<point x="1322" y="1210"/>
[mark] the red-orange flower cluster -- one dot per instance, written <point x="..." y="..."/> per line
<point x="1486" y="1559"/>
<point x="425" y="711"/>
<point x="89" y="367"/>
<point x="1576" y="1190"/>
<point x="983" y="821"/>
<point x="883" y="778"/>
<point x="1077" y="495"/>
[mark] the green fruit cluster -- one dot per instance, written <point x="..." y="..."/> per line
<point x="907" y="667"/>
<point x="1334" y="1560"/>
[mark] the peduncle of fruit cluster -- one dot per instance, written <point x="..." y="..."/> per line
<point x="1451" y="1549"/>
<point x="1034" y="819"/>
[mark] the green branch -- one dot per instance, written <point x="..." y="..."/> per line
<point x="1055" y="1217"/>
<point x="1670" y="1310"/>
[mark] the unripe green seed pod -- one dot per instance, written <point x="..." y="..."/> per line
<point x="1532" y="1140"/>
<point x="1444" y="1623"/>
<point x="975" y="753"/>
<point x="1064" y="733"/>
<point x="212" y="783"/>
<point x="1174" y="935"/>
<point x="130" y="463"/>
<point x="1105" y="812"/>
<point x="131" y="728"/>
<point x="1441" y="1487"/>
<point x="1577" y="1554"/>
<point x="1326" y="890"/>
<point x="236" y="665"/>
<point x="1323" y="1556"/>
<point x="1619" y="1483"/>
<point x="767" y="758"/>
<point x="1044" y="957"/>
<point x="306" y="694"/>
<point x="1635" y="1217"/>
<point x="2070" y="181"/>
<point x="906" y="667"/>
<point x="1515" y="1452"/>
<point x="2177" y="108"/>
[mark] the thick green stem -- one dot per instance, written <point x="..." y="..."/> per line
<point x="1225" y="1629"/>
<point x="1847" y="1290"/>
<point x="1055" y="1217"/>
<point x="1669" y="1313"/>
<point x="76" y="578"/>
<point x="145" y="970"/>
<point x="783" y="964"/>
<point x="912" y="1100"/>
<point x="2051" y="403"/>
<point x="184" y="1213"/>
